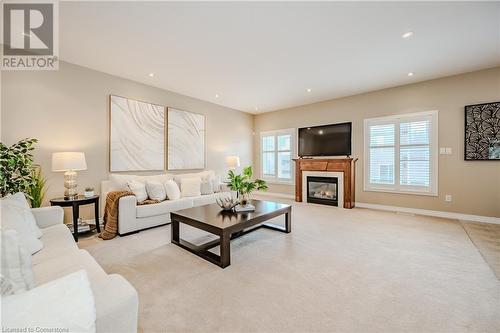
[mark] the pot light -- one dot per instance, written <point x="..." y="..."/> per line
<point x="151" y="74"/>
<point x="256" y="109"/>
<point x="216" y="95"/>
<point x="407" y="34"/>
<point x="309" y="90"/>
<point x="411" y="74"/>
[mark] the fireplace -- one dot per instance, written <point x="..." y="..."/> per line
<point x="322" y="190"/>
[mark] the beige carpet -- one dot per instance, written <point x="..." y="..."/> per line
<point x="338" y="271"/>
<point x="486" y="237"/>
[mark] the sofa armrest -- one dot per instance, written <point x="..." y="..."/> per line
<point x="117" y="304"/>
<point x="127" y="211"/>
<point x="48" y="216"/>
<point x="66" y="303"/>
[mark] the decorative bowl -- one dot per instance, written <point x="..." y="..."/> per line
<point x="227" y="204"/>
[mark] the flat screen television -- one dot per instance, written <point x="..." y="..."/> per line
<point x="326" y="140"/>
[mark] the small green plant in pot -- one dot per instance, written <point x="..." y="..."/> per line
<point x="244" y="185"/>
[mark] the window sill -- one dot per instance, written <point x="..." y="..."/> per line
<point x="411" y="192"/>
<point x="278" y="182"/>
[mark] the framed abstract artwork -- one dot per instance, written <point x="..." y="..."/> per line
<point x="186" y="140"/>
<point x="137" y="135"/>
<point x="482" y="132"/>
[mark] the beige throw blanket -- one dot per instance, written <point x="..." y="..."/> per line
<point x="111" y="213"/>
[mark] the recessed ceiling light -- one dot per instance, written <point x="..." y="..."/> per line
<point x="309" y="90"/>
<point x="151" y="74"/>
<point x="407" y="34"/>
<point x="411" y="74"/>
<point x="216" y="95"/>
<point x="256" y="109"/>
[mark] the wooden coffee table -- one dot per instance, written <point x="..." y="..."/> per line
<point x="226" y="225"/>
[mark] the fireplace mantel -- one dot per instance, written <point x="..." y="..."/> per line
<point x="345" y="165"/>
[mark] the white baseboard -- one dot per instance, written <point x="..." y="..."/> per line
<point x="435" y="213"/>
<point x="276" y="195"/>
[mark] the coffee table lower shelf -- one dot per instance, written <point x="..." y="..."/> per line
<point x="225" y="234"/>
<point x="222" y="260"/>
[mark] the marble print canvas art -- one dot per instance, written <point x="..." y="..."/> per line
<point x="137" y="135"/>
<point x="186" y="140"/>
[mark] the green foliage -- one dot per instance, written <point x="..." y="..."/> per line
<point x="16" y="167"/>
<point x="243" y="183"/>
<point x="37" y="190"/>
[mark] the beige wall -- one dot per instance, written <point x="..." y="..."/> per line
<point x="475" y="185"/>
<point x="68" y="110"/>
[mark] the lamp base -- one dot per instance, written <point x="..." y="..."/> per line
<point x="70" y="184"/>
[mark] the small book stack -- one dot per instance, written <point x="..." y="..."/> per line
<point x="246" y="208"/>
<point x="82" y="227"/>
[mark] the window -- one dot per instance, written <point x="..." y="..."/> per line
<point x="277" y="151"/>
<point x="401" y="153"/>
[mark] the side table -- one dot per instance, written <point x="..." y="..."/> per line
<point x="75" y="204"/>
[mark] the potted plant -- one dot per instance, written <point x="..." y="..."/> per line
<point x="36" y="191"/>
<point x="16" y="167"/>
<point x="244" y="185"/>
<point x="89" y="192"/>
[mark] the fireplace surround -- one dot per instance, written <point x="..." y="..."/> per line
<point x="342" y="168"/>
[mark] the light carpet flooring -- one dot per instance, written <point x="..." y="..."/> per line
<point x="338" y="271"/>
<point x="486" y="237"/>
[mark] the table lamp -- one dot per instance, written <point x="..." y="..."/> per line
<point x="232" y="162"/>
<point x="69" y="162"/>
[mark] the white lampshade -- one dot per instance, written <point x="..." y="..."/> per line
<point x="65" y="161"/>
<point x="232" y="161"/>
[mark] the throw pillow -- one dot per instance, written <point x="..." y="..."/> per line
<point x="216" y="183"/>
<point x="206" y="187"/>
<point x="14" y="218"/>
<point x="19" y="200"/>
<point x="17" y="272"/>
<point x="139" y="190"/>
<point x="172" y="190"/>
<point x="156" y="190"/>
<point x="121" y="181"/>
<point x="190" y="187"/>
<point x="71" y="306"/>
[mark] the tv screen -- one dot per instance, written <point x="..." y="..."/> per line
<point x="327" y="140"/>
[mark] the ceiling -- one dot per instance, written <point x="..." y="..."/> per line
<point x="264" y="56"/>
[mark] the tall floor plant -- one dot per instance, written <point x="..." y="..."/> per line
<point x="16" y="167"/>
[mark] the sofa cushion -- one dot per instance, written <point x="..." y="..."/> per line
<point x="156" y="190"/>
<point x="17" y="272"/>
<point x="19" y="200"/>
<point x="164" y="207"/>
<point x="120" y="181"/>
<point x="139" y="190"/>
<point x="207" y="187"/>
<point x="68" y="263"/>
<point x="172" y="190"/>
<point x="57" y="240"/>
<point x="190" y="187"/>
<point x="15" y="218"/>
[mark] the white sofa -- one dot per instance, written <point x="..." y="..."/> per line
<point x="115" y="298"/>
<point x="133" y="217"/>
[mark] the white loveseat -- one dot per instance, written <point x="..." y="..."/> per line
<point x="133" y="217"/>
<point x="115" y="299"/>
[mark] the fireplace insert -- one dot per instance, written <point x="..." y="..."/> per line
<point x="322" y="190"/>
